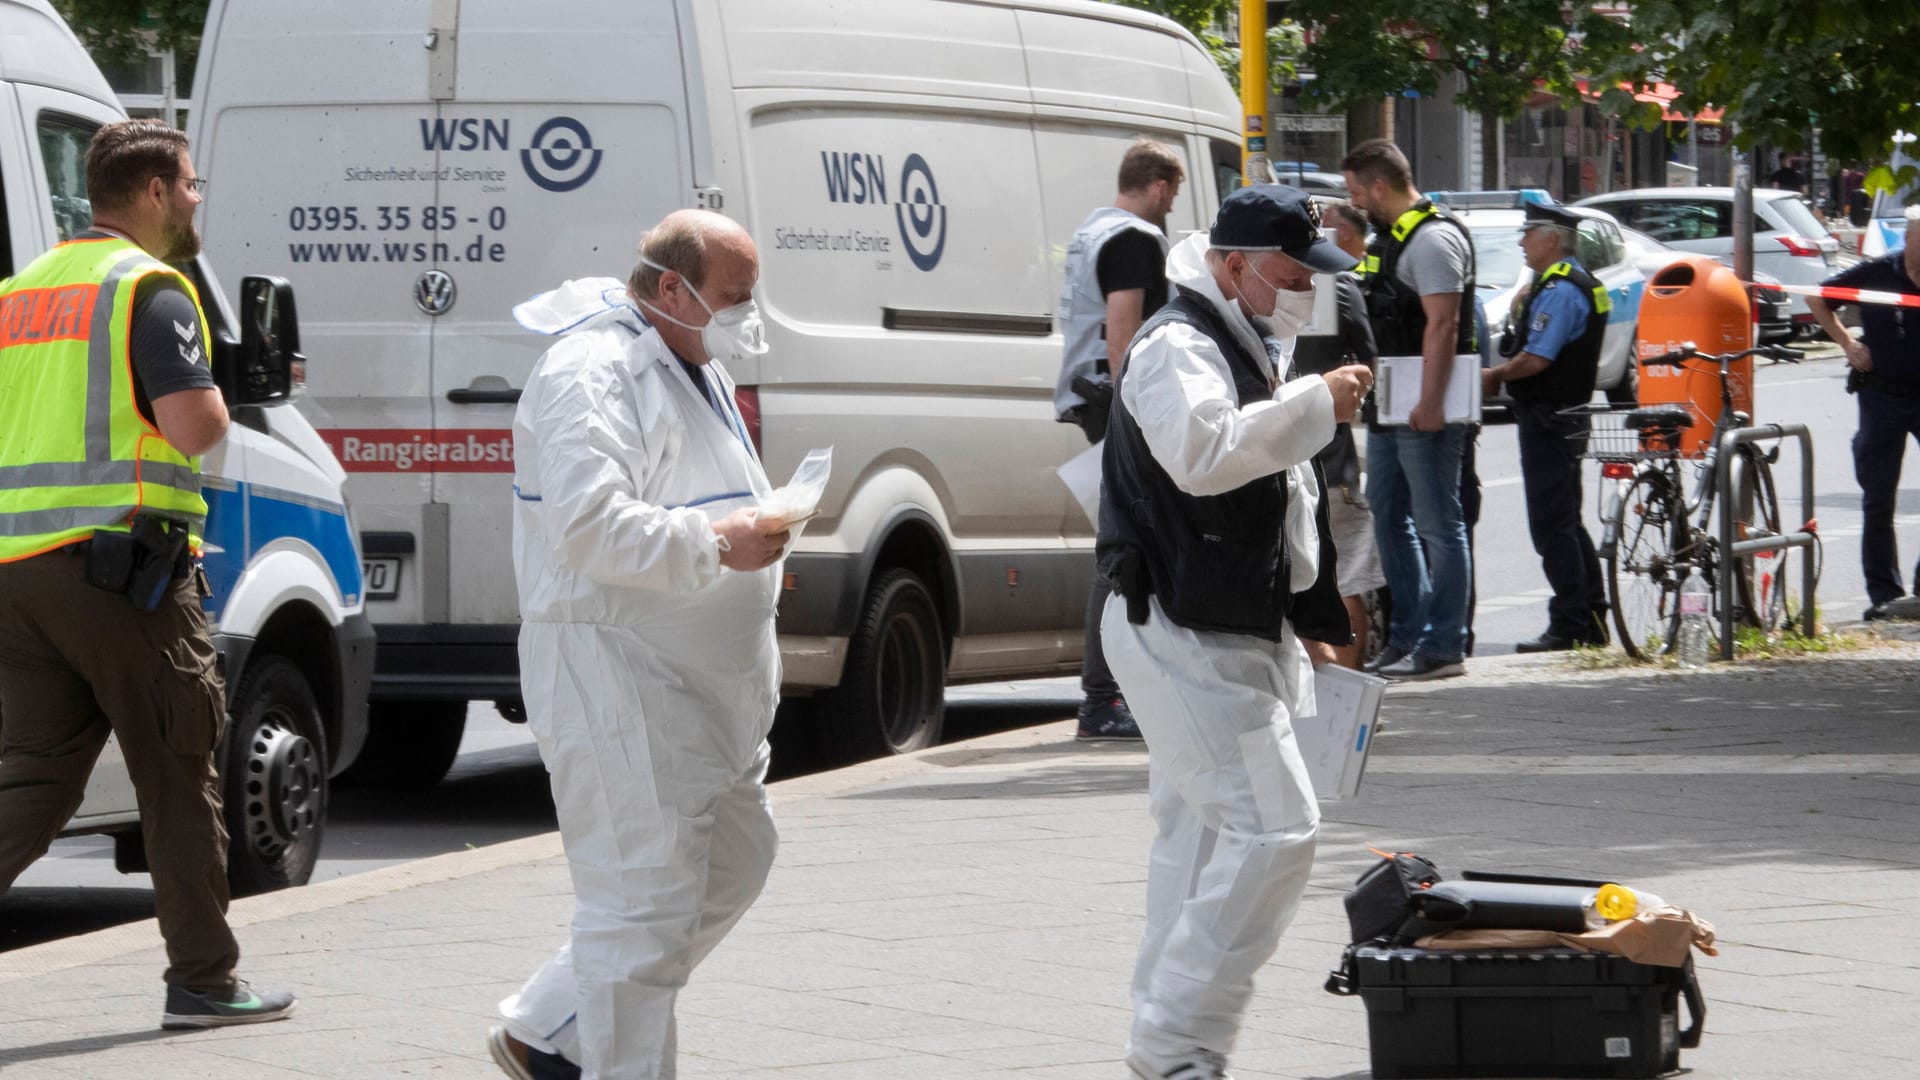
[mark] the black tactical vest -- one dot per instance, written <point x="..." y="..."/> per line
<point x="1215" y="562"/>
<point x="1569" y="379"/>
<point x="1399" y="321"/>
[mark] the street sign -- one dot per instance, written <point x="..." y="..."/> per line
<point x="1308" y="122"/>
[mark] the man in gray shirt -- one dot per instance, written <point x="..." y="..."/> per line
<point x="1419" y="283"/>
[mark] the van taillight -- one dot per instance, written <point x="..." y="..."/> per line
<point x="1799" y="246"/>
<point x="748" y="399"/>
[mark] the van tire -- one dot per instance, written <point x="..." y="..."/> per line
<point x="410" y="744"/>
<point x="274" y="784"/>
<point x="892" y="694"/>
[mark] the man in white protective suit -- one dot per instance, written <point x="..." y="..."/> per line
<point x="1213" y="531"/>
<point x="647" y="649"/>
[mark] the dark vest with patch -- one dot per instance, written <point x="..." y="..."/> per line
<point x="1569" y="379"/>
<point x="1215" y="562"/>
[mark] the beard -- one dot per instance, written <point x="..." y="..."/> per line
<point x="182" y="242"/>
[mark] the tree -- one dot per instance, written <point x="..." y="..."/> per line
<point x="124" y="31"/>
<point x="1204" y="18"/>
<point x="1781" y="67"/>
<point x="1505" y="51"/>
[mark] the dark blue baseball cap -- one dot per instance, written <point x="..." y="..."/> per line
<point x="1276" y="217"/>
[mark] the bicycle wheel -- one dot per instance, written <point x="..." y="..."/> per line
<point x="1760" y="579"/>
<point x="1643" y="582"/>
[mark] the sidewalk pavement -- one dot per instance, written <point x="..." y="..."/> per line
<point x="972" y="911"/>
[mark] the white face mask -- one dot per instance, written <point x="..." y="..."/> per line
<point x="732" y="333"/>
<point x="1291" y="313"/>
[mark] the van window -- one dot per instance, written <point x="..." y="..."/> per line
<point x="1226" y="168"/>
<point x="63" y="148"/>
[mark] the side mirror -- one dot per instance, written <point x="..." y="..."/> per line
<point x="269" y="340"/>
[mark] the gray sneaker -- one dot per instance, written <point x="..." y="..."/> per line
<point x="204" y="1009"/>
<point x="1111" y="721"/>
<point x="1417" y="668"/>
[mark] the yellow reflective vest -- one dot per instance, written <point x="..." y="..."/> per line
<point x="76" y="456"/>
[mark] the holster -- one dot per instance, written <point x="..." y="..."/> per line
<point x="142" y="563"/>
<point x="1129" y="574"/>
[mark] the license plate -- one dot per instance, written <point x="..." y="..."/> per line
<point x="382" y="578"/>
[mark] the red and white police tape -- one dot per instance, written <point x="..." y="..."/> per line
<point x="1855" y="296"/>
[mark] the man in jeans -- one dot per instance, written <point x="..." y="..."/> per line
<point x="1419" y="286"/>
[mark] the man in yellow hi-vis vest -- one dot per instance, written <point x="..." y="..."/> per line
<point x="107" y="399"/>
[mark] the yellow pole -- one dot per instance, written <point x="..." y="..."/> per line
<point x="1253" y="83"/>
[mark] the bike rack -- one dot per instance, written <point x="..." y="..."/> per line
<point x="1800" y="538"/>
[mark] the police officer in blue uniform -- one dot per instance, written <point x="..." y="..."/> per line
<point x="1884" y="375"/>
<point x="1553" y="356"/>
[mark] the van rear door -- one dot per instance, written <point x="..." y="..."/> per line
<point x="565" y="136"/>
<point x="312" y="126"/>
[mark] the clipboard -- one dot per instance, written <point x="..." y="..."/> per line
<point x="1398" y="380"/>
<point x="1336" y="741"/>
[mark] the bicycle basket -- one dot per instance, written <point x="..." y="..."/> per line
<point x="1611" y="436"/>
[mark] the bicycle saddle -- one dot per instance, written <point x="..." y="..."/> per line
<point x="1659" y="418"/>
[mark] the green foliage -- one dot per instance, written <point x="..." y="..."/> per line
<point x="1506" y="50"/>
<point x="1780" y="67"/>
<point x="121" y="31"/>
<point x="1205" y="18"/>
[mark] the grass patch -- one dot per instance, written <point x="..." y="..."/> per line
<point x="1749" y="643"/>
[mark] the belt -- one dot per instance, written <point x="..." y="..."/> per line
<point x="1889" y="385"/>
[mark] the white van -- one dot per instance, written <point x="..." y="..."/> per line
<point x="280" y="553"/>
<point x="912" y="171"/>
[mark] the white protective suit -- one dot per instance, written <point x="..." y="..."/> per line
<point x="1230" y="795"/>
<point x="650" y="673"/>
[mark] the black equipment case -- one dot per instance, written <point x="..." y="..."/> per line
<point x="1547" y="1012"/>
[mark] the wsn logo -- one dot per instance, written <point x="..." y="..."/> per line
<point x="861" y="179"/>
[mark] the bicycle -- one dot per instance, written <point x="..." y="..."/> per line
<point x="1655" y="535"/>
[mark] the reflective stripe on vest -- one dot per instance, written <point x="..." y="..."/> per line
<point x="76" y="455"/>
<point x="1602" y="300"/>
<point x="1404" y="225"/>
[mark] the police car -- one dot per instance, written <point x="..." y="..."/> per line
<point x="1494" y="220"/>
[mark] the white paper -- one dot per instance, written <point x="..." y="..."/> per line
<point x="1397" y="381"/>
<point x="1081" y="474"/>
<point x="1336" y="742"/>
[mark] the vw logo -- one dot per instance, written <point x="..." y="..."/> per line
<point x="433" y="292"/>
<point x="562" y="156"/>
<point x="922" y="220"/>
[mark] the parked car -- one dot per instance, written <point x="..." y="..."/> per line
<point x="1318" y="182"/>
<point x="1501" y="272"/>
<point x="1773" y="317"/>
<point x="1788" y="241"/>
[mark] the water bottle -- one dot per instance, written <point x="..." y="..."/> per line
<point x="1695" y="632"/>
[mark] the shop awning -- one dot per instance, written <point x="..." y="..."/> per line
<point x="1663" y="95"/>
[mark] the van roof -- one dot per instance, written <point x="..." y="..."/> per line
<point x="38" y="48"/>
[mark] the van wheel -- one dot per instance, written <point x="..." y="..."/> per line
<point x="410" y="744"/>
<point x="275" y="780"/>
<point x="892" y="696"/>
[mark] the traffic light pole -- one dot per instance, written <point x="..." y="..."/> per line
<point x="1254" y="167"/>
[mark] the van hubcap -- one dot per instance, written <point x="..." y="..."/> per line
<point x="282" y="787"/>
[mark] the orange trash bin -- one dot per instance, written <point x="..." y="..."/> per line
<point x="1695" y="299"/>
